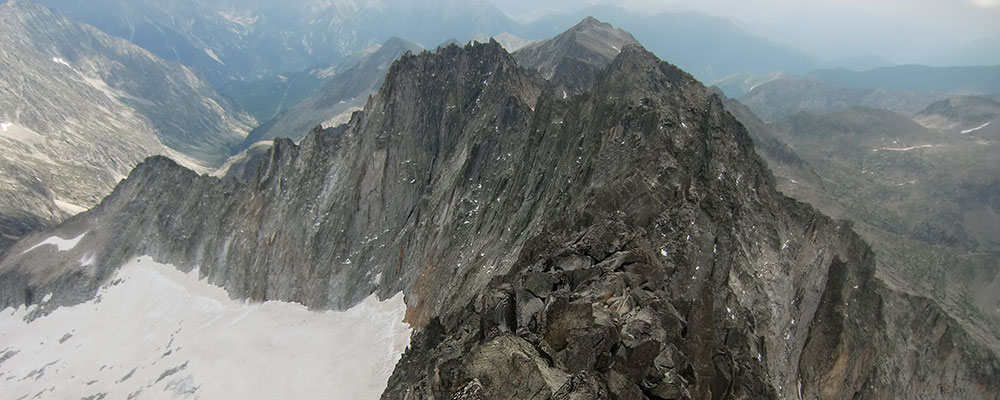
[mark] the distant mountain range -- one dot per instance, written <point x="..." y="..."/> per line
<point x="78" y="109"/>
<point x="978" y="80"/>
<point x="905" y="89"/>
<point x="251" y="40"/>
<point x="782" y="97"/>
<point x="917" y="78"/>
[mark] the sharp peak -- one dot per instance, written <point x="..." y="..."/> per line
<point x="591" y="26"/>
<point x="634" y="56"/>
<point x="152" y="165"/>
<point x="398" y="41"/>
<point x="472" y="47"/>
<point x="445" y="55"/>
<point x="635" y="53"/>
<point x="590" y="22"/>
<point x="395" y="46"/>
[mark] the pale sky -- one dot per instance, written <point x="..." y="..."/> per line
<point x="901" y="30"/>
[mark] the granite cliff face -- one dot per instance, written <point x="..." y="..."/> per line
<point x="625" y="242"/>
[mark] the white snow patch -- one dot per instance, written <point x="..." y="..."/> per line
<point x="325" y="72"/>
<point x="88" y="259"/>
<point x="22" y="134"/>
<point x="236" y="18"/>
<point x="616" y="48"/>
<point x="923" y="146"/>
<point x="564" y="94"/>
<point x="69" y="207"/>
<point x="60" y="243"/>
<point x="165" y="334"/>
<point x="214" y="57"/>
<point x="976" y="128"/>
<point x="98" y="84"/>
<point x="58" y="60"/>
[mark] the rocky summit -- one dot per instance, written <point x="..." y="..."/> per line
<point x="623" y="242"/>
<point x="573" y="59"/>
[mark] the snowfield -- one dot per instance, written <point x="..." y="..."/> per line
<point x="60" y="243"/>
<point x="923" y="146"/>
<point x="158" y="333"/>
<point x="967" y="131"/>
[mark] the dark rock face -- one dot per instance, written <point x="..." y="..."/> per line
<point x="14" y="227"/>
<point x="623" y="243"/>
<point x="619" y="297"/>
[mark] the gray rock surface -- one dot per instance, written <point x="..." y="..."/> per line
<point x="623" y="243"/>
<point x="79" y="109"/>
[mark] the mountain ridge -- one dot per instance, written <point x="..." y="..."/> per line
<point x="609" y="244"/>
<point x="459" y="193"/>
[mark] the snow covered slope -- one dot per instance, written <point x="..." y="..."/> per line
<point x="155" y="332"/>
